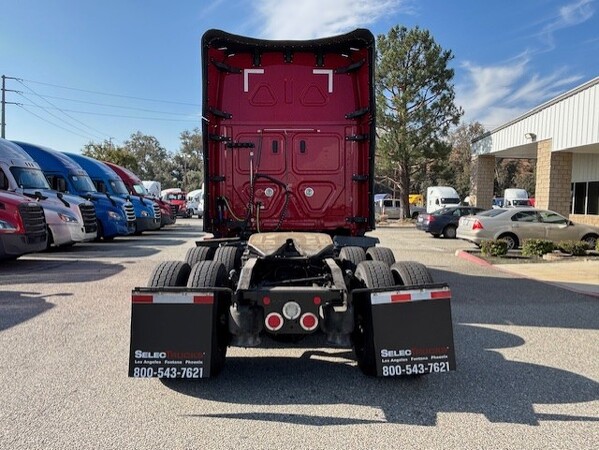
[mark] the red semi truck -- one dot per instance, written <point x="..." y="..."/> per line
<point x="23" y="226"/>
<point x="289" y="144"/>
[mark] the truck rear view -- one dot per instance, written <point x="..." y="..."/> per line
<point x="289" y="135"/>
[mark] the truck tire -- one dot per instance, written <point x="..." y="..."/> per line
<point x="207" y="274"/>
<point x="381" y="254"/>
<point x="372" y="274"/>
<point x="196" y="254"/>
<point x="169" y="273"/>
<point x="407" y="273"/>
<point x="229" y="256"/>
<point x="213" y="274"/>
<point x="350" y="257"/>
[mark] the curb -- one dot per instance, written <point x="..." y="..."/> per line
<point x="474" y="259"/>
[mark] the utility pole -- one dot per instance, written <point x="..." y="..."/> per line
<point x="4" y="103"/>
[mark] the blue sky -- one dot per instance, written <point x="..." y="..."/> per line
<point x="97" y="70"/>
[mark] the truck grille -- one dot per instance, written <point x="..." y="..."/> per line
<point x="174" y="209"/>
<point x="129" y="212"/>
<point x="88" y="212"/>
<point x="34" y="222"/>
<point x="157" y="213"/>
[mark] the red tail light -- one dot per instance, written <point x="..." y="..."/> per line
<point x="431" y="218"/>
<point x="309" y="322"/>
<point x="477" y="225"/>
<point x="274" y="321"/>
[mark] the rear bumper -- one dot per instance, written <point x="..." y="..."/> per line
<point x="410" y="326"/>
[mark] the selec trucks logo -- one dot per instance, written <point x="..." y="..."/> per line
<point x="395" y="353"/>
<point x="169" y="354"/>
<point x="150" y="355"/>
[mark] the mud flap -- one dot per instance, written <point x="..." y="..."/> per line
<point x="171" y="333"/>
<point x="412" y="330"/>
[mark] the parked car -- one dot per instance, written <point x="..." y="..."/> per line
<point x="444" y="221"/>
<point x="391" y="207"/>
<point x="516" y="224"/>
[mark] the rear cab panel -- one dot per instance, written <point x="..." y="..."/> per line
<point x="286" y="147"/>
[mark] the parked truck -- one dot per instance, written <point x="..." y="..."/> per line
<point x="22" y="226"/>
<point x="289" y="144"/>
<point x="438" y="197"/>
<point x="70" y="219"/>
<point x="115" y="216"/>
<point x="107" y="181"/>
<point x="135" y="187"/>
<point x="177" y="198"/>
<point x="195" y="202"/>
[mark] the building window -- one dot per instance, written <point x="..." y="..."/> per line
<point x="585" y="198"/>
<point x="593" y="203"/>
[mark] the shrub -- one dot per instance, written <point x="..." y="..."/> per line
<point x="576" y="248"/>
<point x="493" y="247"/>
<point x="537" y="247"/>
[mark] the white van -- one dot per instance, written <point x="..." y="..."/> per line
<point x="391" y="208"/>
<point x="438" y="197"/>
<point x="195" y="202"/>
<point x="514" y="198"/>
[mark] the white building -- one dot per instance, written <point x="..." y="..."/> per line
<point x="563" y="135"/>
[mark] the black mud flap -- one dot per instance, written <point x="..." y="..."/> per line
<point x="412" y="329"/>
<point x="172" y="332"/>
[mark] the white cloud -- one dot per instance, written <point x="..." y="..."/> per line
<point x="569" y="15"/>
<point x="308" y="19"/>
<point x="497" y="94"/>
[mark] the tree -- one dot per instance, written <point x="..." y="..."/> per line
<point x="457" y="170"/>
<point x="415" y="104"/>
<point x="107" y="151"/>
<point x="189" y="161"/>
<point x="153" y="160"/>
<point x="510" y="173"/>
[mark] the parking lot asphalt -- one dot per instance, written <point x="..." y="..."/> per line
<point x="527" y="375"/>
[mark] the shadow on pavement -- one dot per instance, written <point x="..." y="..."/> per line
<point x="485" y="382"/>
<point x="18" y="307"/>
<point x="57" y="271"/>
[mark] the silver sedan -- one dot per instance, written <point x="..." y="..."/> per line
<point x="516" y="224"/>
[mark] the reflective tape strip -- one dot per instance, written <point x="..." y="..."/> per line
<point x="379" y="298"/>
<point x="174" y="298"/>
<point x="142" y="298"/>
<point x="203" y="299"/>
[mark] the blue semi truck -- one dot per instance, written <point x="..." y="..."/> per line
<point x="147" y="212"/>
<point x="115" y="216"/>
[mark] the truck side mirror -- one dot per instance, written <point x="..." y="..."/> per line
<point x="61" y="185"/>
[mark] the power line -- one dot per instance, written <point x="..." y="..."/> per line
<point x="119" y="115"/>
<point x="46" y="109"/>
<point x="113" y="95"/>
<point x="67" y="115"/>
<point x="52" y="123"/>
<point x="115" y="106"/>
